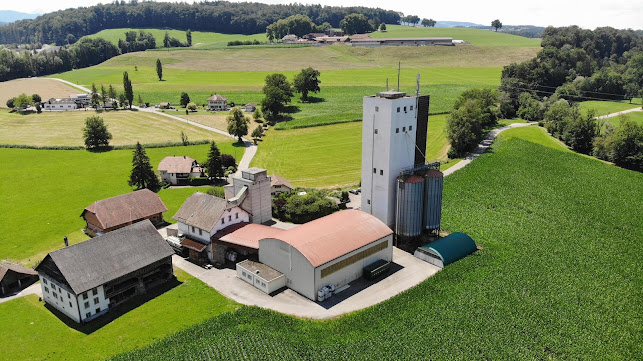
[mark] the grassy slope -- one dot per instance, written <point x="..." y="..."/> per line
<point x="199" y="38"/>
<point x="557" y="277"/>
<point x="474" y="36"/>
<point x="65" y="128"/>
<point x="30" y="331"/>
<point x="44" y="193"/>
<point x="604" y="107"/>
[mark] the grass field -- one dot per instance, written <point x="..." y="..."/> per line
<point x="32" y="332"/>
<point x="45" y="191"/>
<point x="199" y="39"/>
<point x="46" y="88"/>
<point x="474" y="36"/>
<point x="558" y="275"/>
<point x="605" y="107"/>
<point x="65" y="128"/>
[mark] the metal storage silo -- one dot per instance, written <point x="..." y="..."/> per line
<point x="410" y="201"/>
<point x="433" y="199"/>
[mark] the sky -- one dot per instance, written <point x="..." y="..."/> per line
<point x="587" y="14"/>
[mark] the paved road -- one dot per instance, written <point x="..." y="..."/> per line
<point x="74" y="85"/>
<point x="408" y="271"/>
<point x="33" y="289"/>
<point x="482" y="147"/>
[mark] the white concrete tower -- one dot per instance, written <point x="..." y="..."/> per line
<point x="389" y="137"/>
<point x="255" y="198"/>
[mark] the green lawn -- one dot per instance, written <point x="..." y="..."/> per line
<point x="606" y="107"/>
<point x="32" y="332"/>
<point x="474" y="36"/>
<point x="200" y="39"/>
<point x="45" y="191"/>
<point x="557" y="277"/>
<point x="65" y="128"/>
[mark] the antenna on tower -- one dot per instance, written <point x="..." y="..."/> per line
<point x="398" y="75"/>
<point x="417" y="86"/>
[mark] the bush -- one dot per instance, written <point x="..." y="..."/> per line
<point x="622" y="145"/>
<point x="191" y="106"/>
<point x="228" y="160"/>
<point x="292" y="207"/>
<point x="530" y="108"/>
<point x="216" y="191"/>
<point x="199" y="181"/>
<point x="580" y="131"/>
<point x="11" y="103"/>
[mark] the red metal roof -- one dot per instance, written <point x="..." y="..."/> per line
<point x="335" y="235"/>
<point x="246" y="234"/>
<point x="414" y="179"/>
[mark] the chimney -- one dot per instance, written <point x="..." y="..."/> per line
<point x="66" y="241"/>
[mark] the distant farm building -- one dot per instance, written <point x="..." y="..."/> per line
<point x="373" y="42"/>
<point x="251" y="107"/>
<point x="447" y="250"/>
<point x="279" y="184"/>
<point x="290" y="38"/>
<point x="87" y="279"/>
<point x="178" y="170"/>
<point x="113" y="213"/>
<point x="61" y="104"/>
<point x="217" y="102"/>
<point x="14" y="278"/>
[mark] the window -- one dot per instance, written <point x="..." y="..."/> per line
<point x="199" y="231"/>
<point x="96" y="300"/>
<point x="222" y="221"/>
<point x="258" y="281"/>
<point x="263" y="284"/>
<point x="374" y="170"/>
<point x="243" y="273"/>
<point x="377" y="109"/>
<point x="353" y="259"/>
<point x="404" y="129"/>
<point x="193" y="230"/>
<point x="410" y="128"/>
<point x="381" y="172"/>
<point x="88" y="314"/>
<point x="46" y="289"/>
<point x="94" y="292"/>
<point x="411" y="107"/>
<point x="404" y="109"/>
<point x="55" y="295"/>
<point x="397" y="130"/>
<point x="85" y="296"/>
<point x="398" y="109"/>
<point x="86" y="304"/>
<point x="69" y="304"/>
<point x="44" y="280"/>
<point x="236" y="215"/>
<point x="375" y="131"/>
<point x="368" y="201"/>
<point x="61" y="298"/>
<point x="230" y="218"/>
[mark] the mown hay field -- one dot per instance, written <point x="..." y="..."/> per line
<point x="557" y="275"/>
<point x="46" y="88"/>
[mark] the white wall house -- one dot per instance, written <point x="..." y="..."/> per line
<point x="80" y="308"/>
<point x="217" y="102"/>
<point x="388" y="145"/>
<point x="178" y="170"/>
<point x="279" y="185"/>
<point x="61" y="104"/>
<point x="257" y="201"/>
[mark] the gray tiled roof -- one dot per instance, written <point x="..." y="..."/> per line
<point x="202" y="211"/>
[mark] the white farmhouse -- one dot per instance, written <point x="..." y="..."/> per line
<point x="178" y="170"/>
<point x="61" y="104"/>
<point x="217" y="102"/>
<point x="279" y="184"/>
<point x="85" y="280"/>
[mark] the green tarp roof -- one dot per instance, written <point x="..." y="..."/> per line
<point x="452" y="247"/>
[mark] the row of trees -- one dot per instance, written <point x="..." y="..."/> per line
<point x="299" y="25"/>
<point x="66" y="26"/>
<point x="578" y="64"/>
<point x="474" y="111"/>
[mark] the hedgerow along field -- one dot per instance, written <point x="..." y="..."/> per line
<point x="554" y="278"/>
<point x="45" y="191"/>
<point x="65" y="128"/>
<point x="32" y="332"/>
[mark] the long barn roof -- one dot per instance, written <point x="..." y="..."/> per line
<point x="127" y="207"/>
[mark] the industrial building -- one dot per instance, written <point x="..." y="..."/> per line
<point x="254" y="187"/>
<point x="85" y="280"/>
<point x="331" y="250"/>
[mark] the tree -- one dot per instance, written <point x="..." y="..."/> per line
<point x="142" y="175"/>
<point x="111" y="93"/>
<point x="278" y="93"/>
<point x="191" y="106"/>
<point x="11" y="103"/>
<point x="122" y="100"/>
<point x="383" y="27"/>
<point x="159" y="69"/>
<point x="428" y="22"/>
<point x="36" y="98"/>
<point x="213" y="164"/>
<point x="23" y="101"/>
<point x="188" y="35"/>
<point x="473" y="111"/>
<point x="355" y="24"/>
<point x="127" y="86"/>
<point x="237" y="124"/>
<point x="580" y="130"/>
<point x="625" y="145"/>
<point x="496" y="24"/>
<point x="103" y="94"/>
<point x="530" y="109"/>
<point x="166" y="40"/>
<point x="95" y="98"/>
<point x="257" y="133"/>
<point x="256" y="115"/>
<point x="185" y="99"/>
<point x="344" y="198"/>
<point x="95" y="133"/>
<point x="307" y="81"/>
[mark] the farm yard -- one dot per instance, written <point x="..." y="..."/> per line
<point x="539" y="279"/>
<point x="32" y="332"/>
<point x="65" y="128"/>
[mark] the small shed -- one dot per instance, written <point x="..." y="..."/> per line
<point x="14" y="278"/>
<point x="447" y="250"/>
<point x="261" y="276"/>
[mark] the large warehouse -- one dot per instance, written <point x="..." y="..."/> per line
<point x="330" y="250"/>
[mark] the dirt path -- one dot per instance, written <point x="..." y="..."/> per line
<point x="482" y="147"/>
<point x="619" y="113"/>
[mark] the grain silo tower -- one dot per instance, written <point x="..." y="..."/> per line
<point x="410" y="204"/>
<point x="434" y="182"/>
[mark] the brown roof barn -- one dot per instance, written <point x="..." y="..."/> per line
<point x="116" y="212"/>
<point x="177" y="164"/>
<point x="14" y="277"/>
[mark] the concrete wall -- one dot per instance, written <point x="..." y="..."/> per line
<point x="267" y="286"/>
<point x="354" y="271"/>
<point x="258" y="202"/>
<point x="300" y="274"/>
<point x="60" y="106"/>
<point x="63" y="299"/>
<point x="388" y="146"/>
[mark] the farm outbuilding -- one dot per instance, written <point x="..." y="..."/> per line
<point x="14" y="278"/>
<point x="447" y="250"/>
